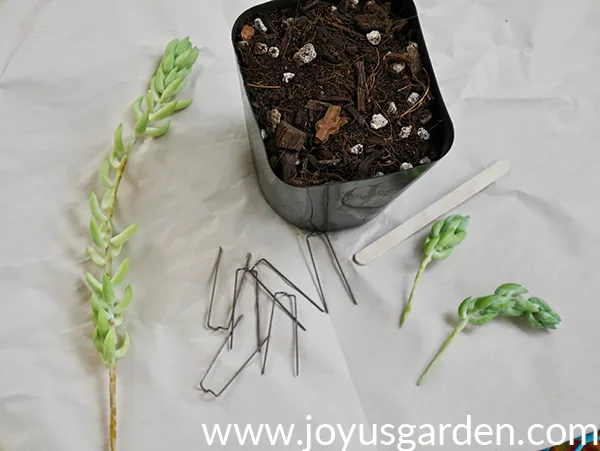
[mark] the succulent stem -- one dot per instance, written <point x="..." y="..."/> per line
<point x="449" y="340"/>
<point x="113" y="406"/>
<point x="408" y="307"/>
<point x="108" y="270"/>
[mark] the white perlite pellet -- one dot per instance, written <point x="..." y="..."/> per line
<point x="413" y="98"/>
<point x="423" y="134"/>
<point x="288" y="76"/>
<point x="263" y="133"/>
<point x="406" y="166"/>
<point x="392" y="108"/>
<point x="398" y="67"/>
<point x="260" y="25"/>
<point x="333" y="8"/>
<point x="305" y="55"/>
<point x="261" y="48"/>
<point x="374" y="37"/>
<point x="357" y="150"/>
<point x="425" y="160"/>
<point x="273" y="52"/>
<point x="273" y="119"/>
<point x="379" y="174"/>
<point x="405" y="131"/>
<point x="378" y="121"/>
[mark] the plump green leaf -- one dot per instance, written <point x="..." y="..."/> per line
<point x="142" y="123"/>
<point x="451" y="224"/>
<point x="118" y="140"/>
<point x="171" y="77"/>
<point x="513" y="311"/>
<point x="160" y="80"/>
<point x="481" y="320"/>
<point x="107" y="199"/>
<point x="171" y="89"/>
<point x="509" y="289"/>
<point x="182" y="104"/>
<point x="98" y="342"/>
<point x="115" y="162"/>
<point x="116" y="250"/>
<point x="96" y="235"/>
<point x="121" y="272"/>
<point x="95" y="256"/>
<point x="137" y="108"/>
<point x="164" y="112"/>
<point x="485" y="301"/>
<point x="168" y="63"/>
<point x="181" y="60"/>
<point x="445" y="240"/>
<point x="108" y="293"/>
<point x="124" y="235"/>
<point x="158" y="131"/>
<point x="430" y="245"/>
<point x="154" y="89"/>
<point x="95" y="208"/>
<point x="191" y="59"/>
<point x="119" y="318"/>
<point x="457" y="238"/>
<point x="500" y="305"/>
<point x="97" y="303"/>
<point x="182" y="46"/>
<point x="180" y="88"/>
<point x="171" y="46"/>
<point x="464" y="224"/>
<point x="150" y="102"/>
<point x="526" y="306"/>
<point x="435" y="230"/>
<point x="442" y="254"/>
<point x="105" y="174"/>
<point x="124" y="348"/>
<point x="183" y="73"/>
<point x="125" y="301"/>
<point x="103" y="322"/>
<point x="93" y="282"/>
<point x="463" y="308"/>
<point x="110" y="346"/>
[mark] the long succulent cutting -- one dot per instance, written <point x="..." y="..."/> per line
<point x="151" y="113"/>
<point x="507" y="300"/>
<point x="444" y="236"/>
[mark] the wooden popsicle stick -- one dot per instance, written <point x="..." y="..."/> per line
<point x="442" y="206"/>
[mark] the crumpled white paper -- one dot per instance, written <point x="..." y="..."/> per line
<point x="520" y="80"/>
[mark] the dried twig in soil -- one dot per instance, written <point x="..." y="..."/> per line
<point x="254" y="85"/>
<point x="421" y="100"/>
<point x="361" y="82"/>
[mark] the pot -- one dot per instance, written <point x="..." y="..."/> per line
<point x="340" y="205"/>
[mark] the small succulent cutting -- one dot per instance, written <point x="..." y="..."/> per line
<point x="444" y="236"/>
<point x="151" y="113"/>
<point x="507" y="300"/>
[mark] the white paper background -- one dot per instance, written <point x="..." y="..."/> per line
<point x="521" y="82"/>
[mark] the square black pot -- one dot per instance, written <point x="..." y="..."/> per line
<point x="340" y="205"/>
